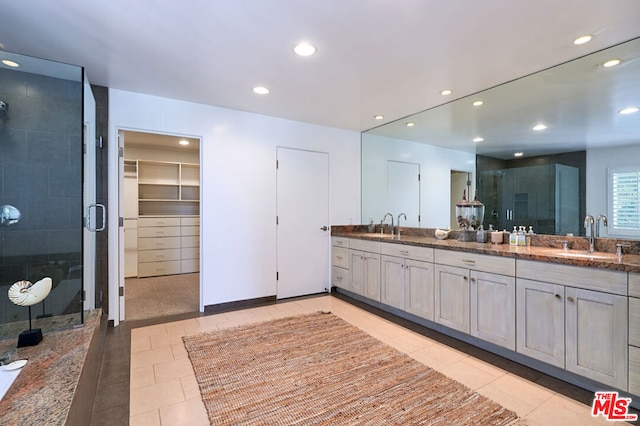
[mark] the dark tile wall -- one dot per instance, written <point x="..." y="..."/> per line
<point x="41" y="175"/>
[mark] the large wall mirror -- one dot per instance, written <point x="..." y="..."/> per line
<point x="539" y="148"/>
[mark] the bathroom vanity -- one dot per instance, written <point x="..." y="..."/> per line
<point x="570" y="314"/>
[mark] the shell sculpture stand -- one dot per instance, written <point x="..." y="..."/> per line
<point x="24" y="293"/>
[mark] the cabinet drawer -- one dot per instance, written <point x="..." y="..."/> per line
<point x="634" y="284"/>
<point x="158" y="255"/>
<point x="478" y="262"/>
<point x="158" y="243"/>
<point x="339" y="277"/>
<point x="364" y="245"/>
<point x="151" y="269"/>
<point x="340" y="257"/>
<point x="158" y="221"/>
<point x="159" y="231"/>
<point x="188" y="231"/>
<point x="190" y="241"/>
<point x="189" y="265"/>
<point x="190" y="221"/>
<point x="340" y="242"/>
<point x="190" y="253"/>
<point x="604" y="280"/>
<point x="424" y="254"/>
<point x="634" y="321"/>
<point x="634" y="370"/>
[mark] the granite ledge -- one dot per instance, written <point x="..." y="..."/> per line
<point x="543" y="248"/>
<point x="44" y="391"/>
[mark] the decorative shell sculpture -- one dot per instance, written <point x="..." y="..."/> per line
<point x="24" y="293"/>
<point x="442" y="234"/>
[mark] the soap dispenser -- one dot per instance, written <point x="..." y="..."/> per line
<point x="480" y="235"/>
<point x="522" y="238"/>
<point x="513" y="238"/>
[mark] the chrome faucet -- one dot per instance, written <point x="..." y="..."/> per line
<point x="398" y="222"/>
<point x="604" y="222"/>
<point x="383" y="219"/>
<point x="588" y="224"/>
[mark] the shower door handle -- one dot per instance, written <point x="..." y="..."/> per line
<point x="87" y="217"/>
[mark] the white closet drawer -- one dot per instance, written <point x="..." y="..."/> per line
<point x="478" y="262"/>
<point x="190" y="230"/>
<point x="158" y="255"/>
<point x="151" y="269"/>
<point x="159" y="231"/>
<point x="189" y="265"/>
<point x="190" y="241"/>
<point x="158" y="221"/>
<point x="190" y="253"/>
<point x="190" y="221"/>
<point x="424" y="254"/>
<point x="340" y="257"/>
<point x="158" y="243"/>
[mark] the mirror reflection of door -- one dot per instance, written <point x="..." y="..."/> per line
<point x="460" y="182"/>
<point x="403" y="191"/>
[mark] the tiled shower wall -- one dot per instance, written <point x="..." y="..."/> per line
<point x="41" y="175"/>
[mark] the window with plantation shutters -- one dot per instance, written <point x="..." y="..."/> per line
<point x="624" y="202"/>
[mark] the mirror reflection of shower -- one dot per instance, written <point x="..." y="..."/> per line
<point x="4" y="108"/>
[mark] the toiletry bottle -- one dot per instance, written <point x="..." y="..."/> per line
<point x="530" y="230"/>
<point x="480" y="235"/>
<point x="371" y="227"/>
<point x="522" y="238"/>
<point x="513" y="238"/>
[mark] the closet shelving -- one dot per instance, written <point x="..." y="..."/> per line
<point x="167" y="188"/>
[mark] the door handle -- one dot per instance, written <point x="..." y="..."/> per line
<point x="324" y="228"/>
<point x="88" y="217"/>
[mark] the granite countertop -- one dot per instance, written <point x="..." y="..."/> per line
<point x="43" y="391"/>
<point x="542" y="248"/>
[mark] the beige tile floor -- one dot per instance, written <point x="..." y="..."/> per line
<point x="164" y="390"/>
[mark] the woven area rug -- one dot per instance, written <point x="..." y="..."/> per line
<point x="319" y="370"/>
<point x="161" y="296"/>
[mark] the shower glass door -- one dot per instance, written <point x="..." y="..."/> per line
<point x="41" y="188"/>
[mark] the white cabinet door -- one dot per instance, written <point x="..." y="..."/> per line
<point x="597" y="336"/>
<point x="393" y="282"/>
<point x="371" y="287"/>
<point x="356" y="259"/>
<point x="420" y="288"/>
<point x="540" y="321"/>
<point x="493" y="308"/>
<point x="452" y="297"/>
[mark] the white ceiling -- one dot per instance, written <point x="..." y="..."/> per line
<point x="387" y="57"/>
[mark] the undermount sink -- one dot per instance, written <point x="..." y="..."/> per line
<point x="587" y="255"/>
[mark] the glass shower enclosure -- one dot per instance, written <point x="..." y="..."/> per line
<point x="44" y="124"/>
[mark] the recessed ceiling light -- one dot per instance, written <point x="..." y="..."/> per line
<point x="582" y="39"/>
<point x="629" y="110"/>
<point x="478" y="139"/>
<point x="410" y="124"/>
<point x="539" y="127"/>
<point x="378" y="117"/>
<point x="611" y="63"/>
<point x="304" y="49"/>
<point x="518" y="154"/>
<point x="446" y="92"/>
<point x="183" y="142"/>
<point x="477" y="103"/>
<point x="260" y="90"/>
<point x="10" y="63"/>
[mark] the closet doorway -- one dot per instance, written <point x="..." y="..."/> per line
<point x="161" y="203"/>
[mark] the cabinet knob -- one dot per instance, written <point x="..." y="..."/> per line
<point x="570" y="299"/>
<point x="466" y="278"/>
<point x="558" y="297"/>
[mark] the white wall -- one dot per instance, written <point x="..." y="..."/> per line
<point x="435" y="167"/>
<point x="238" y="204"/>
<point x="598" y="163"/>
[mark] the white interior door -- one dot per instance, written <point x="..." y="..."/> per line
<point x="303" y="236"/>
<point x="403" y="191"/>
